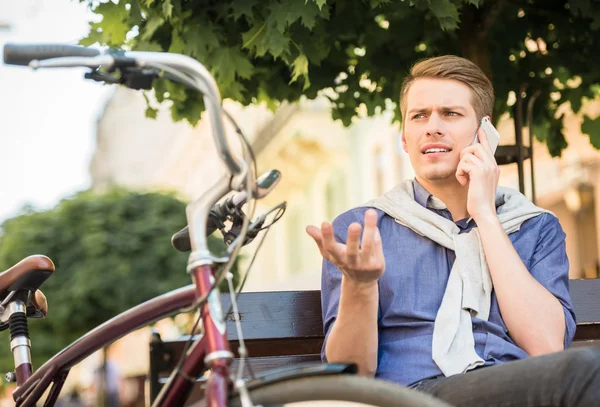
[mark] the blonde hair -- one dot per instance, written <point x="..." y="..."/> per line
<point x="458" y="69"/>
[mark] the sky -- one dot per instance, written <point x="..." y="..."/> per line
<point x="47" y="118"/>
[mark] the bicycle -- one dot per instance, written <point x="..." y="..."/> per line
<point x="21" y="298"/>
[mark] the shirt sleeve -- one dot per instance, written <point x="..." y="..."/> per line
<point x="550" y="266"/>
<point x="331" y="279"/>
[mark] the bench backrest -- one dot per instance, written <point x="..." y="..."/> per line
<point x="284" y="328"/>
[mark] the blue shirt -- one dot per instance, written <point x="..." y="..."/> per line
<point x="412" y="287"/>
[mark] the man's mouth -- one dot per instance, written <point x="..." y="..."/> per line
<point x="436" y="150"/>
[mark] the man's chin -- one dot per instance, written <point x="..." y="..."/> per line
<point x="441" y="176"/>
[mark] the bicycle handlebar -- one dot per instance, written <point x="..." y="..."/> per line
<point x="23" y="54"/>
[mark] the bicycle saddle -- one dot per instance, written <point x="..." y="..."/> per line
<point x="28" y="275"/>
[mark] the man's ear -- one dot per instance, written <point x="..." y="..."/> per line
<point x="404" y="145"/>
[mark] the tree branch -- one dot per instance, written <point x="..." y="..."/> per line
<point x="490" y="18"/>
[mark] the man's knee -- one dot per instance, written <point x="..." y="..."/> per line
<point x="584" y="358"/>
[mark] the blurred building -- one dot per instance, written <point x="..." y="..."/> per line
<point x="326" y="169"/>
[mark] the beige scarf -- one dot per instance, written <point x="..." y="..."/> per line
<point x="469" y="288"/>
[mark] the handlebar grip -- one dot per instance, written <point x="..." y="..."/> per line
<point x="181" y="239"/>
<point x="23" y="54"/>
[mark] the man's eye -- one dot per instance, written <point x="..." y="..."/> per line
<point x="418" y="116"/>
<point x="453" y="114"/>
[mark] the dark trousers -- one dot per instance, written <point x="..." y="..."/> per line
<point x="570" y="378"/>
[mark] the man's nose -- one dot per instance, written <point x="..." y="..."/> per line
<point x="435" y="126"/>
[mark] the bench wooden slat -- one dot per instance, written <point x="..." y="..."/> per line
<point x="282" y="314"/>
<point x="585" y="295"/>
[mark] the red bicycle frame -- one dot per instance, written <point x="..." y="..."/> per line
<point x="211" y="350"/>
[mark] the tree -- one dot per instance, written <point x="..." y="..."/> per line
<point x="276" y="50"/>
<point x="112" y="251"/>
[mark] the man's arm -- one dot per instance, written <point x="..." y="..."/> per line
<point x="533" y="315"/>
<point x="353" y="336"/>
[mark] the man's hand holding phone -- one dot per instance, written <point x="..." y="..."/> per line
<point x="478" y="169"/>
<point x="362" y="263"/>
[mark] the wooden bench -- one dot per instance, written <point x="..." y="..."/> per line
<point x="282" y="329"/>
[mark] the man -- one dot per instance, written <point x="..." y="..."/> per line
<point x="407" y="287"/>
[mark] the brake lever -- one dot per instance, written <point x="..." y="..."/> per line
<point x="98" y="76"/>
<point x="133" y="78"/>
<point x="231" y="235"/>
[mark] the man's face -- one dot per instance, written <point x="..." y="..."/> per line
<point x="439" y="122"/>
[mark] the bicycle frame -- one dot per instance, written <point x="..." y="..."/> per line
<point x="210" y="349"/>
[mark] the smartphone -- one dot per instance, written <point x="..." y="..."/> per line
<point x="491" y="132"/>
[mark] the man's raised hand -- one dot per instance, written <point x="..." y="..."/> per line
<point x="361" y="263"/>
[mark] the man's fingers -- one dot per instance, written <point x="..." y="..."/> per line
<point x="315" y="233"/>
<point x="471" y="158"/>
<point x="335" y="250"/>
<point x="353" y="243"/>
<point x="463" y="171"/>
<point x="377" y="255"/>
<point x="485" y="142"/>
<point x="369" y="233"/>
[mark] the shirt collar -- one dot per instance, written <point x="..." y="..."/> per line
<point x="421" y="194"/>
<point x="423" y="198"/>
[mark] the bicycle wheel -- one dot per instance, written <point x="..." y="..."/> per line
<point x="335" y="390"/>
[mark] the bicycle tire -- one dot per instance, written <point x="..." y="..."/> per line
<point x="340" y="387"/>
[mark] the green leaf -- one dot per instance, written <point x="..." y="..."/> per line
<point x="92" y="38"/>
<point x="233" y="90"/>
<point x="151" y="26"/>
<point x="447" y="13"/>
<point x="149" y="46"/>
<point x="591" y="127"/>
<point x="229" y="62"/>
<point x="243" y="8"/>
<point x="288" y="12"/>
<point x="167" y="9"/>
<point x="300" y="66"/>
<point x="575" y="97"/>
<point x="320" y="3"/>
<point x="263" y="38"/>
<point x="114" y="22"/>
<point x="556" y="139"/>
<point x="277" y="44"/>
<point x="160" y="88"/>
<point x="190" y="108"/>
<point x="200" y="39"/>
<point x="252" y="39"/>
<point x="177" y="44"/>
<point x="150" y="111"/>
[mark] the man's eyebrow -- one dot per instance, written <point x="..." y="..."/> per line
<point x="419" y="110"/>
<point x="457" y="107"/>
<point x="442" y="108"/>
